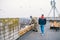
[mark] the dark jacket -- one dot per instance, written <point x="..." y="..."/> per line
<point x="42" y="21"/>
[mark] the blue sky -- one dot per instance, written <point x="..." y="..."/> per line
<point x="25" y="8"/>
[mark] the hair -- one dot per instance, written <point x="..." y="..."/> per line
<point x="30" y="16"/>
<point x="42" y="14"/>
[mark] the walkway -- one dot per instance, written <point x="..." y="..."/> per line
<point x="49" y="34"/>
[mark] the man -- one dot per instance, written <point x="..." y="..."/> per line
<point x="42" y="22"/>
<point x="34" y="21"/>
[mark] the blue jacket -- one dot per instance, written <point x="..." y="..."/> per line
<point x="41" y="21"/>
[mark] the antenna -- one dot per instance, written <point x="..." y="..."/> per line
<point x="53" y="4"/>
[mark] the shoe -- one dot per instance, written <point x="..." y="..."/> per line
<point x="36" y="31"/>
<point x="42" y="34"/>
<point x="33" y="30"/>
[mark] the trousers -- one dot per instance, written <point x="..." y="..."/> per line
<point x="42" y="29"/>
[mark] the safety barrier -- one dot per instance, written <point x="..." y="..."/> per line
<point x="55" y="25"/>
<point x="9" y="28"/>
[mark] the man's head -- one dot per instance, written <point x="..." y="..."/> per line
<point x="42" y="14"/>
<point x="30" y="16"/>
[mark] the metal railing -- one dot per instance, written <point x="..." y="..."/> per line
<point x="52" y="18"/>
<point x="9" y="28"/>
